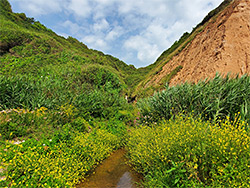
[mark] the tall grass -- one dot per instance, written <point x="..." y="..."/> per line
<point x="98" y="95"/>
<point x="213" y="99"/>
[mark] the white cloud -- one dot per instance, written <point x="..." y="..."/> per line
<point x="145" y="49"/>
<point x="72" y="27"/>
<point x="138" y="31"/>
<point x="39" y="7"/>
<point x="95" y="42"/>
<point x="80" y="8"/>
<point x="101" y="25"/>
<point x="115" y="33"/>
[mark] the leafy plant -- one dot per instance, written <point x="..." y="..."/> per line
<point x="188" y="152"/>
<point x="212" y="99"/>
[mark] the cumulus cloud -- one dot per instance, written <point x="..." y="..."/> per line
<point x="114" y="33"/>
<point x="95" y="42"/>
<point x="101" y="25"/>
<point x="136" y="31"/>
<point x="39" y="7"/>
<point x="80" y="8"/>
<point x="146" y="49"/>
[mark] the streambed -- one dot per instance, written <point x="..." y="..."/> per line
<point x="113" y="172"/>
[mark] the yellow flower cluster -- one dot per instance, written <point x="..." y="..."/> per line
<point x="40" y="111"/>
<point x="59" y="164"/>
<point x="190" y="152"/>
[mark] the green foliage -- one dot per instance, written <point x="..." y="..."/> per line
<point x="5" y="6"/>
<point x="29" y="47"/>
<point x="213" y="99"/>
<point x="11" y="37"/>
<point x="188" y="152"/>
<point x="100" y="76"/>
<point x="101" y="99"/>
<point x="22" y="91"/>
<point x="80" y="124"/>
<point x="68" y="103"/>
<point x="114" y="126"/>
<point x="32" y="123"/>
<point x="100" y="103"/>
<point x="54" y="162"/>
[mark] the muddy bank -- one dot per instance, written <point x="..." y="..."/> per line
<point x="113" y="172"/>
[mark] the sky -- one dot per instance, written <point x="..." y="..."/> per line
<point x="135" y="31"/>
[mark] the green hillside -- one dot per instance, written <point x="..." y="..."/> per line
<point x="28" y="47"/>
<point x="47" y="70"/>
<point x="65" y="100"/>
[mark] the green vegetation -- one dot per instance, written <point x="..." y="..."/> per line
<point x="56" y="147"/>
<point x="194" y="135"/>
<point x="190" y="152"/>
<point x="60" y="160"/>
<point x="212" y="100"/>
<point x="63" y="111"/>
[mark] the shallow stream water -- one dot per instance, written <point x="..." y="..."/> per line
<point x="113" y="172"/>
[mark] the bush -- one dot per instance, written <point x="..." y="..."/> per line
<point x="80" y="124"/>
<point x="54" y="162"/>
<point x="213" y="99"/>
<point x="187" y="152"/>
<point x="20" y="122"/>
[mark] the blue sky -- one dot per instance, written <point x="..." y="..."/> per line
<point x="135" y="31"/>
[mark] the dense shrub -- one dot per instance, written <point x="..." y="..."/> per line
<point x="55" y="162"/>
<point x="102" y="99"/>
<point x="188" y="152"/>
<point x="28" y="92"/>
<point x="213" y="99"/>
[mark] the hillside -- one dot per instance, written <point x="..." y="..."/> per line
<point x="218" y="44"/>
<point x="27" y="46"/>
<point x="39" y="68"/>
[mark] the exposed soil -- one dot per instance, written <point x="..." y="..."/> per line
<point x="223" y="46"/>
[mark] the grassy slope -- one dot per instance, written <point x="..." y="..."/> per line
<point x="29" y="47"/>
<point x="153" y="69"/>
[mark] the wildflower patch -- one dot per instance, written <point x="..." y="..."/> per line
<point x="188" y="152"/>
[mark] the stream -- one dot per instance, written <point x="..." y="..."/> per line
<point x="113" y="172"/>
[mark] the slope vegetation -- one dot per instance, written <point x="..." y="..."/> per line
<point x="27" y="46"/>
<point x="39" y="68"/>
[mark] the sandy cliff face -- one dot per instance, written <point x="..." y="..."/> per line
<point x="223" y="46"/>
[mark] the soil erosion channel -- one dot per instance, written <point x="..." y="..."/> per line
<point x="113" y="172"/>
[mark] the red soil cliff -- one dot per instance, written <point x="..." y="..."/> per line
<point x="223" y="46"/>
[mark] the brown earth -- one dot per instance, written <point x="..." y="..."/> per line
<point x="223" y="46"/>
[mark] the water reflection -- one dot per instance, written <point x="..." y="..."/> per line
<point x="125" y="181"/>
<point x="113" y="172"/>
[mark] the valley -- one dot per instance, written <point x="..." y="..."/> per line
<point x="71" y="116"/>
